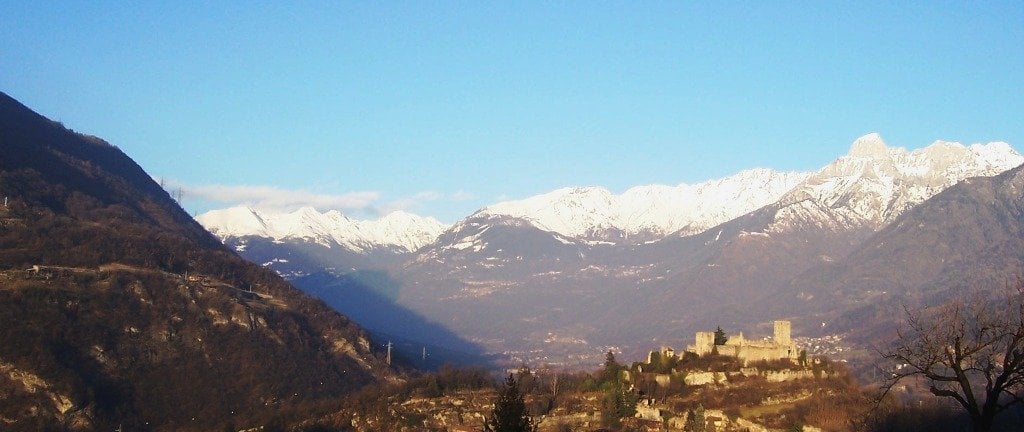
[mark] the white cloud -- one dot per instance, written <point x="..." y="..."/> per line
<point x="271" y="197"/>
<point x="359" y="203"/>
<point x="462" y="196"/>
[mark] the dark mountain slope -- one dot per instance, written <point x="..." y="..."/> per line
<point x="59" y="179"/>
<point x="66" y="168"/>
<point x="109" y="331"/>
<point x="970" y="236"/>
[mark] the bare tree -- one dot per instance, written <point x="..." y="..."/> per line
<point x="970" y="350"/>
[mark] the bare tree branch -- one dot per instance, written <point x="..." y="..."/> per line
<point x="970" y="350"/>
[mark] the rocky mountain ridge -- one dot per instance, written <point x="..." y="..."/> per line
<point x="874" y="184"/>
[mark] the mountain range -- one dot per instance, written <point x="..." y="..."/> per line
<point x="890" y="180"/>
<point x="564" y="276"/>
<point x="398" y="231"/>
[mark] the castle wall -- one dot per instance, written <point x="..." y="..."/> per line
<point x="705" y="341"/>
<point x="780" y="347"/>
<point x="729" y="350"/>
<point x="751" y="353"/>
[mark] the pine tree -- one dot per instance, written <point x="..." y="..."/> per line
<point x="720" y="337"/>
<point x="612" y="369"/>
<point x="509" y="413"/>
<point x="695" y="421"/>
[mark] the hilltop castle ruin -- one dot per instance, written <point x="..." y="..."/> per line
<point x="781" y="346"/>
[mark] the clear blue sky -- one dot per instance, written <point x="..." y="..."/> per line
<point x="444" y="107"/>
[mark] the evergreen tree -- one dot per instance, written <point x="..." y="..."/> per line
<point x="612" y="369"/>
<point x="509" y="414"/>
<point x="617" y="403"/>
<point x="695" y="421"/>
<point x="720" y="337"/>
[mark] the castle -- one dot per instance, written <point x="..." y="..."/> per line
<point x="781" y="346"/>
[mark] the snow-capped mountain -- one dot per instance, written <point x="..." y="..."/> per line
<point x="399" y="230"/>
<point x="874" y="183"/>
<point x="529" y="253"/>
<point x="652" y="211"/>
<point x="744" y="249"/>
<point x="866" y="188"/>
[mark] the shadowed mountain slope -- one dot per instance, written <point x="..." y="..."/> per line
<point x="118" y="310"/>
<point x="369" y="298"/>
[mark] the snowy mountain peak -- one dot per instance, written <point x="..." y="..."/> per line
<point x="648" y="212"/>
<point x="870" y="146"/>
<point x="398" y="230"/>
<point x="874" y="183"/>
<point x="401" y="217"/>
<point x="230" y="221"/>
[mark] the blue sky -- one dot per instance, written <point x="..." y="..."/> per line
<point x="441" y="108"/>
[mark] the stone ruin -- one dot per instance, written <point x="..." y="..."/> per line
<point x="779" y="347"/>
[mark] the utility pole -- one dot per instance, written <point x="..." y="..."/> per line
<point x="424" y="354"/>
<point x="389" y="353"/>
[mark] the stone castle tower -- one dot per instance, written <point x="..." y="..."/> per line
<point x="781" y="336"/>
